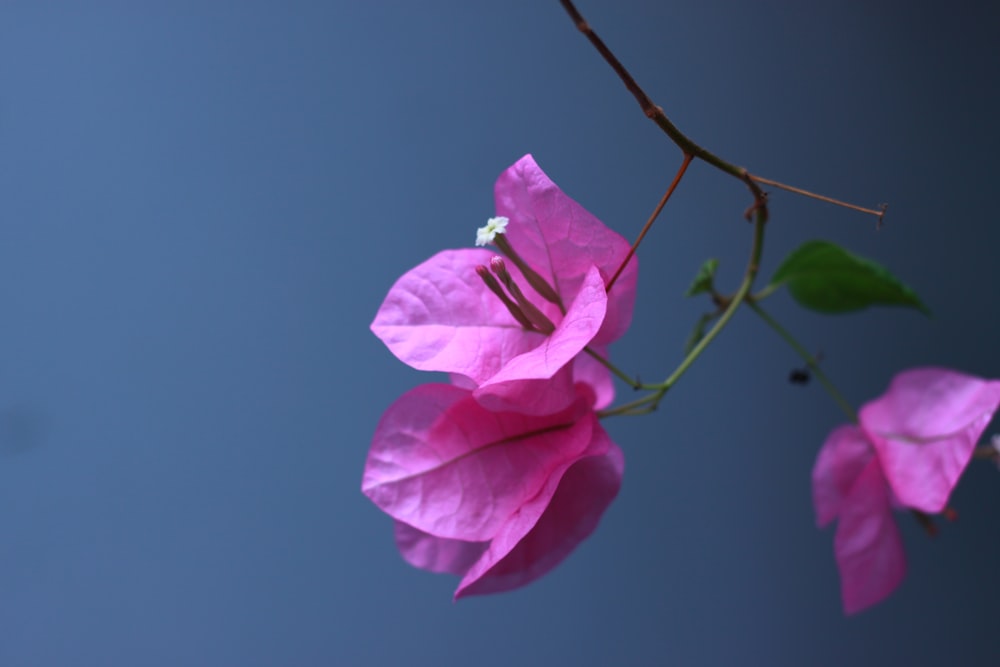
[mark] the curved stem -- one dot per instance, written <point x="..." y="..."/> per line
<point x="649" y="223"/>
<point x="739" y="297"/>
<point x="620" y="374"/>
<point x="765" y="292"/>
<point x="838" y="398"/>
<point x="652" y="401"/>
<point x="640" y="406"/>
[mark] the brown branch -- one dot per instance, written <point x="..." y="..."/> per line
<point x="655" y="112"/>
<point x="687" y="146"/>
<point x="879" y="213"/>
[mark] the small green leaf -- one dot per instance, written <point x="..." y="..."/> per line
<point x="703" y="281"/>
<point x="826" y="278"/>
<point x="698" y="332"/>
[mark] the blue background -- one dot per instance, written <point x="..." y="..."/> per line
<point x="202" y="205"/>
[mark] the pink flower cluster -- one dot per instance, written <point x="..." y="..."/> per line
<point x="497" y="476"/>
<point x="908" y="450"/>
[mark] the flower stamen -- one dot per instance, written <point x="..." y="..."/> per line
<point x="537" y="317"/>
<point x="539" y="284"/>
<point x="494" y="287"/>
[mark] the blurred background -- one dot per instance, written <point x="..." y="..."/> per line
<point x="202" y="205"/>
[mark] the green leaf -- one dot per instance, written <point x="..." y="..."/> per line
<point x="698" y="332"/>
<point x="826" y="278"/>
<point x="703" y="281"/>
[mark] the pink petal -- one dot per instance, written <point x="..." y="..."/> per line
<point x="462" y="381"/>
<point x="843" y="456"/>
<point x="436" y="554"/>
<point x="596" y="376"/>
<point x="445" y="465"/>
<point x="530" y="397"/>
<point x="867" y="545"/>
<point x="561" y="240"/>
<point x="574" y="332"/>
<point x="925" y="428"/>
<point x="547" y="528"/>
<point x="439" y="316"/>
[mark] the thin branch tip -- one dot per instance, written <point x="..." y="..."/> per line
<point x="575" y="15"/>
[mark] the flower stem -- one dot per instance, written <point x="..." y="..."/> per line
<point x="765" y="292"/>
<point x="741" y="294"/>
<point x="640" y="406"/>
<point x="649" y="223"/>
<point x="619" y="373"/>
<point x="652" y="401"/>
<point x="837" y="397"/>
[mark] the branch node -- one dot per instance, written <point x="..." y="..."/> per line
<point x="759" y="197"/>
<point x="881" y="214"/>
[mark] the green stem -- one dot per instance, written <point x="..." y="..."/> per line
<point x="808" y="358"/>
<point x="741" y="294"/>
<point x="640" y="406"/>
<point x="765" y="292"/>
<point x="620" y="374"/>
<point x="652" y="401"/>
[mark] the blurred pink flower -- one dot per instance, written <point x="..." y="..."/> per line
<point x="908" y="450"/>
<point x="498" y="498"/>
<point x="848" y="485"/>
<point x="441" y="316"/>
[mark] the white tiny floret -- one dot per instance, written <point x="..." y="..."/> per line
<point x="494" y="226"/>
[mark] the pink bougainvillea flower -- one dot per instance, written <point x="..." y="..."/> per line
<point x="442" y="316"/>
<point x="498" y="498"/>
<point x="925" y="428"/>
<point x="848" y="485"/>
<point x="908" y="450"/>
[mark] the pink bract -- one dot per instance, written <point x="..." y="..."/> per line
<point x="498" y="498"/>
<point x="909" y="449"/>
<point x="848" y="485"/>
<point x="561" y="240"/>
<point x="924" y="429"/>
<point x="440" y="316"/>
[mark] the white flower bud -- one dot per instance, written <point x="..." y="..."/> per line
<point x="494" y="226"/>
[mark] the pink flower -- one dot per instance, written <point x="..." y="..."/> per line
<point x="499" y="498"/>
<point x="908" y="450"/>
<point x="848" y="485"/>
<point x="441" y="316"/>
